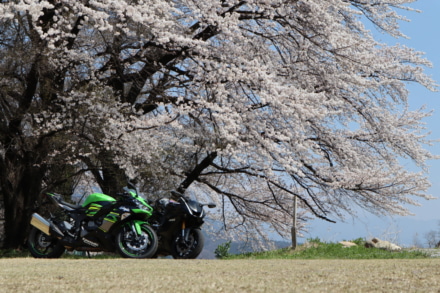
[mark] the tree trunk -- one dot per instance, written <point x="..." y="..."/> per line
<point x="195" y="173"/>
<point x="294" y="231"/>
<point x="19" y="201"/>
<point x="110" y="177"/>
<point x="113" y="179"/>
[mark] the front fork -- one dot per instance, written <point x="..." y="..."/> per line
<point x="136" y="227"/>
<point x="183" y="229"/>
<point x="185" y="232"/>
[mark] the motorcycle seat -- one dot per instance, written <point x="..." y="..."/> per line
<point x="71" y="205"/>
<point x="59" y="198"/>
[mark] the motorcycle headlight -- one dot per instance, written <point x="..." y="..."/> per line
<point x="141" y="206"/>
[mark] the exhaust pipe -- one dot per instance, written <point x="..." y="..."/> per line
<point x="40" y="223"/>
<point x="45" y="226"/>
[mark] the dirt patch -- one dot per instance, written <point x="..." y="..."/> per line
<point x="167" y="275"/>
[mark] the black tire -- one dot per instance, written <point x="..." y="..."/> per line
<point x="189" y="249"/>
<point x="129" y="245"/>
<point x="44" y="246"/>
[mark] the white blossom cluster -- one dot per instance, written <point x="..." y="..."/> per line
<point x="295" y="97"/>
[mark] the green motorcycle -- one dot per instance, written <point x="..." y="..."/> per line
<point x="101" y="223"/>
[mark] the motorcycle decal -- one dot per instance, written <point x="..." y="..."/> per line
<point x="108" y="221"/>
<point x="124" y="216"/>
<point x="91" y="243"/>
<point x="93" y="209"/>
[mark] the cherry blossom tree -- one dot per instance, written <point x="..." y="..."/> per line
<point x="247" y="103"/>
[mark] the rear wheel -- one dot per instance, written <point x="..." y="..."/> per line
<point x="131" y="245"/>
<point x="44" y="246"/>
<point x="190" y="247"/>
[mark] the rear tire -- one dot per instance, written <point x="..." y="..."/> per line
<point x="130" y="245"/>
<point x="189" y="249"/>
<point x="44" y="246"/>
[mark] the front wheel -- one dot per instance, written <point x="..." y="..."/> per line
<point x="188" y="247"/>
<point x="131" y="245"/>
<point x="44" y="246"/>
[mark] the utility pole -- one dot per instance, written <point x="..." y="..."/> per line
<point x="293" y="231"/>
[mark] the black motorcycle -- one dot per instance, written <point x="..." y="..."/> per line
<point x="178" y="223"/>
<point x="101" y="223"/>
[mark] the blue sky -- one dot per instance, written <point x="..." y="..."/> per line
<point x="423" y="31"/>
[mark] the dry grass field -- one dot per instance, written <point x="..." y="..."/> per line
<point x="167" y="275"/>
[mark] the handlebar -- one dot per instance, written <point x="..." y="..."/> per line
<point x="210" y="205"/>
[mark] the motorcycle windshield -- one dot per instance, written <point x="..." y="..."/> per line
<point x="193" y="207"/>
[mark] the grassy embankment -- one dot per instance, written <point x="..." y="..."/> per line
<point x="312" y="249"/>
<point x="315" y="249"/>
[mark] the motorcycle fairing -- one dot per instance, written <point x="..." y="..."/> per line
<point x="97" y="198"/>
